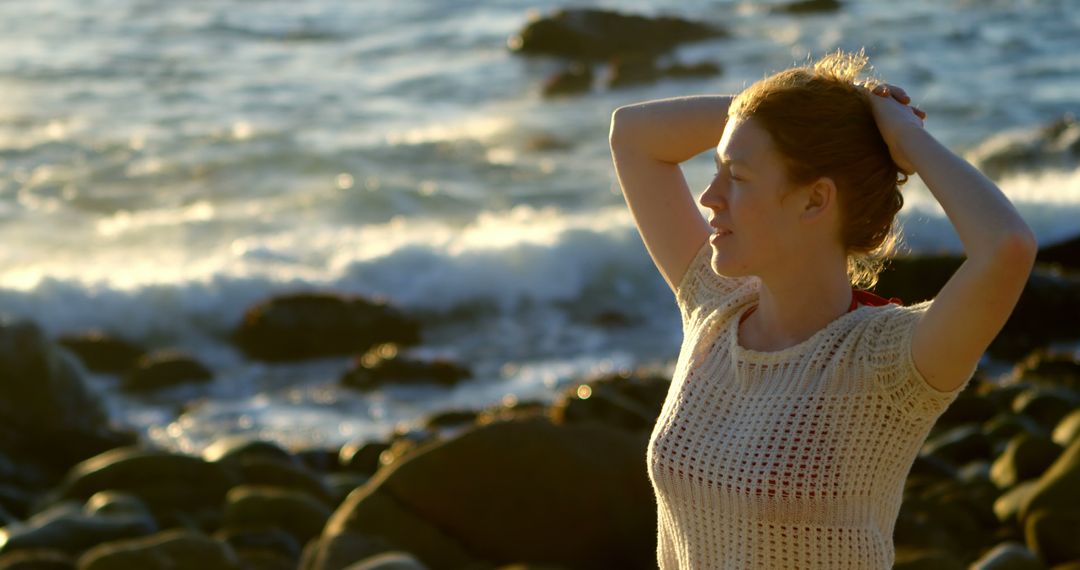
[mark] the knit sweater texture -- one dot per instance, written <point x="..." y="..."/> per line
<point x="786" y="459"/>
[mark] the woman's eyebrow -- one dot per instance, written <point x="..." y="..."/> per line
<point x="729" y="161"/>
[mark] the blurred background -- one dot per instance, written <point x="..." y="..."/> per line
<point x="164" y="166"/>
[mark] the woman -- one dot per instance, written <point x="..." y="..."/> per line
<point x="799" y="401"/>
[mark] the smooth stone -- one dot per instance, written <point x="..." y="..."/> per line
<point x="299" y="514"/>
<point x="100" y="351"/>
<point x="167" y="550"/>
<point x="164" y="369"/>
<point x="1026" y="457"/>
<point x="1052" y="535"/>
<point x="1008" y="556"/>
<point x="389" y="561"/>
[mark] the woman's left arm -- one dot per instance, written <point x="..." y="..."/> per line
<point x="972" y="307"/>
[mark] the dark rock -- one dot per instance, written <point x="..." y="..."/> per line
<point x="263" y="471"/>
<point x="107" y="503"/>
<point x="1059" y="486"/>
<point x="297" y="513"/>
<point x="46" y="407"/>
<point x="1049" y="368"/>
<point x="166" y="550"/>
<point x="1052" y="534"/>
<point x="602" y="403"/>
<point x="1026" y="457"/>
<point x="165" y="481"/>
<point x="809" y="7"/>
<point x="384" y="365"/>
<point x="362" y="456"/>
<point x="37" y="559"/>
<point x="1007" y="507"/>
<point x="1047" y="406"/>
<point x="450" y="418"/>
<point x="1003" y="427"/>
<point x="235" y="447"/>
<point x="915" y="279"/>
<point x="100" y="351"/>
<point x="1008" y="556"/>
<point x="959" y="445"/>
<point x="163" y="369"/>
<point x="458" y="503"/>
<point x="640" y="69"/>
<point x="314" y="325"/>
<point x="968" y="407"/>
<point x="389" y="561"/>
<point x="600" y="34"/>
<point x="260" y="537"/>
<point x="940" y="559"/>
<point x="1065" y="254"/>
<point x="1054" y="145"/>
<point x="575" y="78"/>
<point x="65" y="528"/>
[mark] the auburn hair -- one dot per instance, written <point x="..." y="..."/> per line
<point x="820" y="118"/>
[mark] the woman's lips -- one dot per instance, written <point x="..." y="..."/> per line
<point x="720" y="234"/>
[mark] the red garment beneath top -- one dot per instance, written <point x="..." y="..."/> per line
<point x="858" y="296"/>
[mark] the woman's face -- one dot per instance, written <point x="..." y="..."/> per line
<point x="745" y="198"/>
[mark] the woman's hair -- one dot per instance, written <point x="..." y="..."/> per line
<point x="822" y="124"/>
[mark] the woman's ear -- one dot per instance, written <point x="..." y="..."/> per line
<point x="820" y="196"/>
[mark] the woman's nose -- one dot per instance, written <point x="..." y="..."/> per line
<point x="712" y="196"/>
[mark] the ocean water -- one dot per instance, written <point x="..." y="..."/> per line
<point x="164" y="166"/>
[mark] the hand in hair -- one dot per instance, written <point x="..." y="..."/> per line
<point x="894" y="118"/>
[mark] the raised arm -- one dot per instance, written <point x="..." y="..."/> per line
<point x="972" y="307"/>
<point x="648" y="141"/>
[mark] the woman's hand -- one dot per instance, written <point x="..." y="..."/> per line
<point x="894" y="118"/>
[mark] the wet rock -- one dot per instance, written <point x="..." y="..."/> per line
<point x="235" y="447"/>
<point x="297" y="513"/>
<point x="385" y="365"/>
<point x="389" y="561"/>
<point x="1068" y="429"/>
<point x="637" y="70"/>
<point x="64" y="527"/>
<point x="575" y="78"/>
<point x="460" y="502"/>
<point x="106" y="503"/>
<point x="163" y="369"/>
<point x="584" y="33"/>
<point x="264" y="471"/>
<point x="1059" y="487"/>
<point x="1008" y="556"/>
<point x="166" y="550"/>
<point x="602" y="403"/>
<point x="809" y="7"/>
<point x="926" y="560"/>
<point x="1047" y="406"/>
<point x="100" y="351"/>
<point x="1007" y="507"/>
<point x="165" y="481"/>
<point x="362" y="456"/>
<point x="1065" y="254"/>
<point x="260" y="538"/>
<point x="1049" y="368"/>
<point x="314" y="325"/>
<point x="37" y="559"/>
<point x="1053" y="145"/>
<point x="1052" y="535"/>
<point x="959" y="445"/>
<point x="1003" y="427"/>
<point x="47" y="410"/>
<point x="1026" y="457"/>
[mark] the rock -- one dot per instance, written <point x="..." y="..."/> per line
<point x="1047" y="406"/>
<point x="1053" y="145"/>
<point x="385" y="365"/>
<point x="1007" y="506"/>
<point x="234" y="447"/>
<point x="100" y="351"/>
<point x="264" y="471"/>
<point x="969" y="407"/>
<point x="65" y="528"/>
<point x="1008" y="556"/>
<point x="575" y="78"/>
<point x="808" y="7"/>
<point x="1026" y="457"/>
<point x="926" y="560"/>
<point x="1052" y="534"/>
<point x="916" y="279"/>
<point x="1003" y="427"/>
<point x="1068" y="429"/>
<point x="362" y="456"/>
<point x="165" y="481"/>
<point x="166" y="550"/>
<point x="1059" y="486"/>
<point x="631" y="70"/>
<point x="389" y="561"/>
<point x="36" y="559"/>
<point x="163" y="369"/>
<point x="260" y="538"/>
<point x="584" y="33"/>
<point x="109" y="503"/>
<point x="959" y="445"/>
<point x="1065" y="254"/>
<point x="47" y="410"/>
<point x="603" y="403"/>
<point x="1048" y="368"/>
<point x="314" y="325"/>
<point x="297" y="513"/>
<point x="503" y="492"/>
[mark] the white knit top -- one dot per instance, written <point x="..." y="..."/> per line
<point x="787" y="459"/>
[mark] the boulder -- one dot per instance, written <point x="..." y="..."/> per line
<point x="586" y="33"/>
<point x="47" y="410"/>
<point x="529" y="489"/>
<point x="315" y="325"/>
<point x="167" y="550"/>
<point x="1026" y="457"/>
<point x="100" y="351"/>
<point x="163" y="369"/>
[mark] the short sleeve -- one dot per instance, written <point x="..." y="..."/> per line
<point x="701" y="287"/>
<point x="893" y="366"/>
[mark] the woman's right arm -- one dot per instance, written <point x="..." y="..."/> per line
<point x="648" y="141"/>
